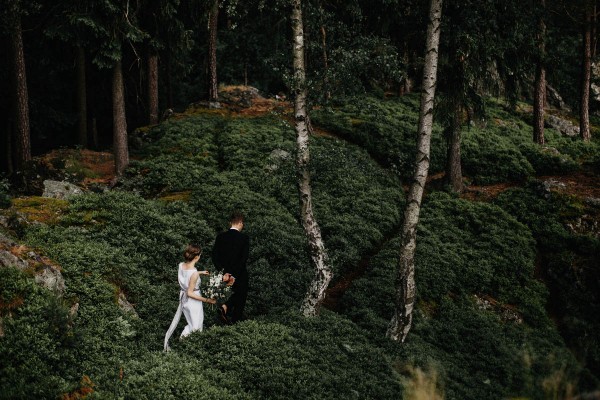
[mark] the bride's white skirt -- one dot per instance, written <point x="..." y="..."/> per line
<point x="193" y="310"/>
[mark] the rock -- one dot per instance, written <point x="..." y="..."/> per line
<point x="564" y="126"/>
<point x="51" y="278"/>
<point x="553" y="184"/>
<point x="6" y="242"/>
<point x="505" y="312"/>
<point x="60" y="190"/>
<point x="73" y="310"/>
<point x="592" y="201"/>
<point x="585" y="225"/>
<point x="45" y="274"/>
<point x="7" y="259"/>
<point x="126" y="306"/>
<point x="167" y="114"/>
<point x="277" y="156"/>
<point x="555" y="99"/>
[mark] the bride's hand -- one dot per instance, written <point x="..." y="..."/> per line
<point x="203" y="273"/>
<point x="211" y="301"/>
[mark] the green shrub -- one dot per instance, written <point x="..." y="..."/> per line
<point x="37" y="345"/>
<point x="568" y="264"/>
<point x="322" y="358"/>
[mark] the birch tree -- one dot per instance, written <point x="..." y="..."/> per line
<point x="405" y="280"/>
<point x="318" y="254"/>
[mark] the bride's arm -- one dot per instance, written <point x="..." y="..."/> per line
<point x="194" y="295"/>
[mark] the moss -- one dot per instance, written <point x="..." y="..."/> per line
<point x="177" y="196"/>
<point x="41" y="209"/>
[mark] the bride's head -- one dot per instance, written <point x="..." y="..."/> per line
<point x="192" y="251"/>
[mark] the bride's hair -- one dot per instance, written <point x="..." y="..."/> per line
<point x="191" y="251"/>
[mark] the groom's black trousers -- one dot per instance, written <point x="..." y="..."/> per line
<point x="237" y="301"/>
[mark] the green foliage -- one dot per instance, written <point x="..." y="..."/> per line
<point x="126" y="243"/>
<point x="175" y="376"/>
<point x="466" y="250"/>
<point x="322" y="358"/>
<point x="386" y="129"/>
<point x="37" y="341"/>
<point x="569" y="262"/>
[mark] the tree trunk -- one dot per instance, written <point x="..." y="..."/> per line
<point x="318" y="254"/>
<point x="453" y="160"/>
<point x="405" y="281"/>
<point x="8" y="161"/>
<point x="120" y="149"/>
<point x="21" y="133"/>
<point x="539" y="95"/>
<point x="213" y="90"/>
<point x="152" y="87"/>
<point x="325" y="58"/>
<point x="82" y="133"/>
<point x="325" y="64"/>
<point x="584" y="112"/>
<point x="169" y="83"/>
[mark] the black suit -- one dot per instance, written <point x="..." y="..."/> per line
<point x="230" y="253"/>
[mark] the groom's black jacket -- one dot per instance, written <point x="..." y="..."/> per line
<point x="230" y="253"/>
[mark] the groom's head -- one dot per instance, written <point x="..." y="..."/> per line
<point x="236" y="220"/>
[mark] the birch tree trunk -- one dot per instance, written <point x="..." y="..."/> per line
<point x="22" y="140"/>
<point x="318" y="254"/>
<point x="213" y="90"/>
<point x="120" y="149"/>
<point x="405" y="281"/>
<point x="152" y="87"/>
<point x="82" y="131"/>
<point x="584" y="112"/>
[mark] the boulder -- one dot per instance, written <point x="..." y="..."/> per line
<point x="126" y="306"/>
<point x="51" y="278"/>
<point x="60" y="189"/>
<point x="7" y="259"/>
<point x="276" y="157"/>
<point x="44" y="274"/>
<point x="562" y="125"/>
<point x="555" y="99"/>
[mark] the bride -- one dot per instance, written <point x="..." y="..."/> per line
<point x="190" y="300"/>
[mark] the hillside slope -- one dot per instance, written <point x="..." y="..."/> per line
<point x="486" y="325"/>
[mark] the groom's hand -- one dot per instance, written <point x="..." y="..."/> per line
<point x="228" y="278"/>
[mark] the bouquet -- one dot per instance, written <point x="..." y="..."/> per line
<point x="215" y="288"/>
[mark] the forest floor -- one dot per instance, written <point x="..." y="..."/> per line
<point x="98" y="168"/>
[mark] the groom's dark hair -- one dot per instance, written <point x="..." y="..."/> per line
<point x="236" y="217"/>
<point x="191" y="251"/>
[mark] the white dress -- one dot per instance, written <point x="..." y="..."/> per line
<point x="192" y="309"/>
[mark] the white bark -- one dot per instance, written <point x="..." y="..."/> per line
<point x="318" y="254"/>
<point x="405" y="281"/>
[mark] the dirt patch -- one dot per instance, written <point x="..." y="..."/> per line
<point x="87" y="165"/>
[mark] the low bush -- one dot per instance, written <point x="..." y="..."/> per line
<point x="37" y="345"/>
<point x="568" y="262"/>
<point x="322" y="358"/>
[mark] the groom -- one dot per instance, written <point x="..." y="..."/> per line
<point x="230" y="254"/>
